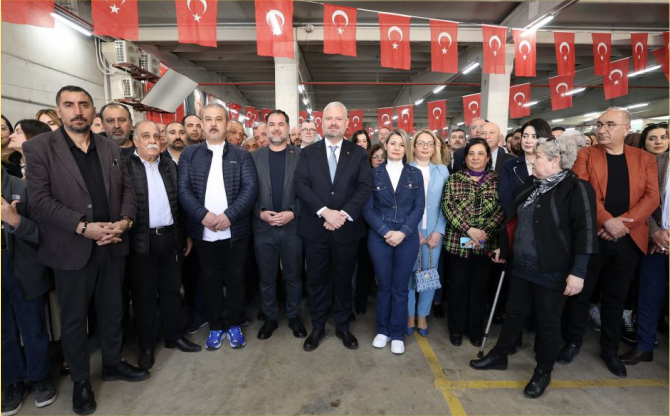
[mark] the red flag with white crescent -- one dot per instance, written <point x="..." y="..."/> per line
<point x="471" y="107"/>
<point x="494" y="49"/>
<point x="385" y="118"/>
<point x="518" y="96"/>
<point x="196" y="21"/>
<point x="234" y="111"/>
<point x="444" y="46"/>
<point x="302" y="116"/>
<point x="274" y="28"/>
<point x="661" y="57"/>
<point x="406" y="118"/>
<point x="558" y="87"/>
<point x="28" y="12"/>
<point x="437" y="114"/>
<point x="355" y="121"/>
<point x="602" y="45"/>
<point x="317" y="117"/>
<point x="524" y="52"/>
<point x="639" y="43"/>
<point x="264" y="114"/>
<point x="339" y="30"/>
<point x="564" y="42"/>
<point x="251" y="115"/>
<point x="615" y="83"/>
<point x="115" y="18"/>
<point x="395" y="46"/>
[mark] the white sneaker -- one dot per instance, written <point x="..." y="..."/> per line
<point x="397" y="347"/>
<point x="380" y="341"/>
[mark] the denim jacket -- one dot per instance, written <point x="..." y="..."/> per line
<point x="404" y="206"/>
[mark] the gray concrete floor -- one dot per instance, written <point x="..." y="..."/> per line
<point x="277" y="377"/>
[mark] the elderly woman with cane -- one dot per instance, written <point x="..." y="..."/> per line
<point x="554" y="237"/>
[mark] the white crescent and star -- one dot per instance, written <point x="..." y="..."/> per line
<point x="196" y="16"/>
<point x="114" y="9"/>
<point x="522" y="99"/>
<point x="387" y="116"/>
<point x="470" y="106"/>
<point x="566" y="88"/>
<point x="394" y="29"/>
<point x="521" y="45"/>
<point x="439" y="41"/>
<point x="404" y="113"/>
<point x="639" y="54"/>
<point x="354" y="120"/>
<point x="275" y="15"/>
<point x="560" y="49"/>
<point x="340" y="30"/>
<point x="496" y="38"/>
<point x="602" y="54"/>
<point x="440" y="110"/>
<point x="616" y="71"/>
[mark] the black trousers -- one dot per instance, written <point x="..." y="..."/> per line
<point x="522" y="299"/>
<point x="100" y="278"/>
<point x="614" y="267"/>
<point x="365" y="272"/>
<point x="330" y="269"/>
<point x="157" y="278"/>
<point x="223" y="262"/>
<point x="468" y="289"/>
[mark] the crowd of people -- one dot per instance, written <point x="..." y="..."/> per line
<point x="120" y="214"/>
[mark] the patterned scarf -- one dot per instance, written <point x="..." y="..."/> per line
<point x="481" y="175"/>
<point x="543" y="186"/>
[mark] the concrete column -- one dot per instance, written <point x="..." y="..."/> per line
<point x="495" y="93"/>
<point x="286" y="85"/>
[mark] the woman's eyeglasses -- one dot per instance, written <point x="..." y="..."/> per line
<point x="376" y="157"/>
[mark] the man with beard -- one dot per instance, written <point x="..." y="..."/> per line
<point x="307" y="133"/>
<point x="260" y="131"/>
<point x="118" y="124"/>
<point x="176" y="137"/>
<point x="161" y="128"/>
<point x="515" y="143"/>
<point x="235" y="133"/>
<point x="275" y="223"/>
<point x="295" y="136"/>
<point x="193" y="126"/>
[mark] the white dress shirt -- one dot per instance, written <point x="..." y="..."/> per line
<point x="160" y="214"/>
<point x="338" y="149"/>
<point x="216" y="201"/>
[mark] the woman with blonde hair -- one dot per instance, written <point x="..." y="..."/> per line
<point x="49" y="117"/>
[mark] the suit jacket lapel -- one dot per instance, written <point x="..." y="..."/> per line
<point x="600" y="167"/>
<point x="106" y="160"/>
<point x="62" y="150"/>
<point x="290" y="161"/>
<point x="322" y="157"/>
<point x="265" y="172"/>
<point x="345" y="155"/>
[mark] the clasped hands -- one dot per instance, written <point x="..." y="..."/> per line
<point x="432" y="241"/>
<point x="104" y="232"/>
<point x="615" y="228"/>
<point x="334" y="219"/>
<point x="277" y="219"/>
<point x="215" y="222"/>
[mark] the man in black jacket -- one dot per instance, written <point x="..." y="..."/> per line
<point x="333" y="182"/>
<point x="157" y="245"/>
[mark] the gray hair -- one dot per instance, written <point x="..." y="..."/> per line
<point x="216" y="105"/>
<point x="626" y="113"/>
<point x="257" y="125"/>
<point x="137" y="125"/>
<point x="247" y="140"/>
<point x="578" y="137"/>
<point x="563" y="148"/>
<point x="336" y="104"/>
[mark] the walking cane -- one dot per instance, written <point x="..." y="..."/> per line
<point x="480" y="354"/>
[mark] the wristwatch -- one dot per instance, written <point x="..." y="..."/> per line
<point x="130" y="221"/>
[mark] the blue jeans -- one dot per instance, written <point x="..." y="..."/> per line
<point x="22" y="319"/>
<point x="393" y="267"/>
<point x="653" y="277"/>
<point x="425" y="298"/>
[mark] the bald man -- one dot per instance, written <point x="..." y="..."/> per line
<point x="490" y="131"/>
<point x="235" y="133"/>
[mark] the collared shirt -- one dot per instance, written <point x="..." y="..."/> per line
<point x="167" y="153"/>
<point x="494" y="156"/>
<point x="91" y="170"/>
<point x="338" y="149"/>
<point x="160" y="214"/>
<point x="216" y="200"/>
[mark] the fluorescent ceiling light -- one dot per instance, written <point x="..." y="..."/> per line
<point x="470" y="67"/>
<point x="538" y="25"/>
<point x="305" y="101"/>
<point x="570" y="128"/>
<point x="660" y="118"/>
<point x="395" y="117"/>
<point x="419" y="101"/>
<point x="557" y="120"/>
<point x="460" y="124"/>
<point x="529" y="104"/>
<point x="630" y="107"/>
<point x="575" y="91"/>
<point x="439" y="88"/>
<point x="651" y="68"/>
<point x="71" y="24"/>
<point x="510" y="128"/>
<point x="309" y="110"/>
<point x="301" y="89"/>
<point x="591" y="115"/>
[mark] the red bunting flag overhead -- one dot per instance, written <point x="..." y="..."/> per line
<point x="406" y="118"/>
<point x="639" y="43"/>
<point x="615" y="83"/>
<point x="117" y="19"/>
<point x="355" y="121"/>
<point x="394" y="35"/>
<point x="564" y="43"/>
<point x="385" y="118"/>
<point x="234" y="111"/>
<point x="524" y="52"/>
<point x="196" y="22"/>
<point x="371" y="132"/>
<point x="274" y="28"/>
<point x="444" y="46"/>
<point x="558" y="86"/>
<point x="437" y="114"/>
<point x="317" y="117"/>
<point x="494" y="49"/>
<point x="518" y="96"/>
<point x="27" y="12"/>
<point x="662" y="58"/>
<point x="602" y="43"/>
<point x="339" y="30"/>
<point x="471" y="107"/>
<point x="264" y="114"/>
<point x="302" y="116"/>
<point x="252" y="116"/>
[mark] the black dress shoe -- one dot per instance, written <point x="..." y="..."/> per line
<point x="183" y="345"/>
<point x="83" y="400"/>
<point x="614" y="364"/>
<point x="491" y="361"/>
<point x="312" y="341"/>
<point x="438" y="311"/>
<point x="268" y="328"/>
<point x="124" y="371"/>
<point x="635" y="356"/>
<point x="537" y="384"/>
<point x="568" y="353"/>
<point x="296" y="325"/>
<point x="348" y="339"/>
<point x="476" y="342"/>
<point x="456" y="339"/>
<point x="145" y="359"/>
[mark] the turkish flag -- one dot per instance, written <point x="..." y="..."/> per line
<point x="437" y="114"/>
<point x="234" y="111"/>
<point x="116" y="18"/>
<point x="196" y="22"/>
<point x="616" y="82"/>
<point x="564" y="43"/>
<point x="28" y="12"/>
<point x="494" y="49"/>
<point x="662" y="58"/>
<point x="524" y="53"/>
<point x="252" y="116"/>
<point x="394" y="35"/>
<point x="602" y="43"/>
<point x="444" y="46"/>
<point x="639" y="43"/>
<point x="317" y="117"/>
<point x="518" y="96"/>
<point x="339" y="30"/>
<point x="385" y="118"/>
<point x="371" y="131"/>
<point x="302" y="116"/>
<point x="406" y="118"/>
<point x="264" y="114"/>
<point x="471" y="107"/>
<point x="355" y="121"/>
<point x="274" y="28"/>
<point x="558" y="86"/>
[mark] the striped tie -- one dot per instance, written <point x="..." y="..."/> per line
<point x="332" y="163"/>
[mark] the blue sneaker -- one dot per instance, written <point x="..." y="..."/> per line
<point x="236" y="338"/>
<point x="214" y="340"/>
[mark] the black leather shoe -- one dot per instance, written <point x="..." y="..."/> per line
<point x="456" y="339"/>
<point x="476" y="342"/>
<point x="491" y="361"/>
<point x="635" y="356"/>
<point x="268" y="328"/>
<point x="348" y="339"/>
<point x="312" y="341"/>
<point x="614" y="364"/>
<point x="537" y="384"/>
<point x="568" y="353"/>
<point x="296" y="325"/>
<point x="124" y="371"/>
<point x="83" y="400"/>
<point x="183" y="345"/>
<point x="145" y="359"/>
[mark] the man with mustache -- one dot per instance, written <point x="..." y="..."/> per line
<point x="193" y="126"/>
<point x="176" y="137"/>
<point x="158" y="244"/>
<point x="118" y="124"/>
<point x="217" y="191"/>
<point x="235" y="132"/>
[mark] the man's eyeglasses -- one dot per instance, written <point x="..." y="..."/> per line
<point x="308" y="130"/>
<point x="609" y="126"/>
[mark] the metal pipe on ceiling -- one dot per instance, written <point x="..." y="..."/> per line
<point x="453" y="84"/>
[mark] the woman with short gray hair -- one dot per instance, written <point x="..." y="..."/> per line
<point x="576" y="136"/>
<point x="554" y="233"/>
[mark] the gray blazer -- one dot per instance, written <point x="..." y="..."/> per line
<point x="264" y="200"/>
<point x="60" y="198"/>
<point x="656" y="219"/>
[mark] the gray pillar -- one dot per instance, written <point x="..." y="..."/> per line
<point x="286" y="85"/>
<point x="495" y="93"/>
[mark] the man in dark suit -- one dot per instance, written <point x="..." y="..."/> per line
<point x="275" y="223"/>
<point x="82" y="194"/>
<point x="333" y="182"/>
